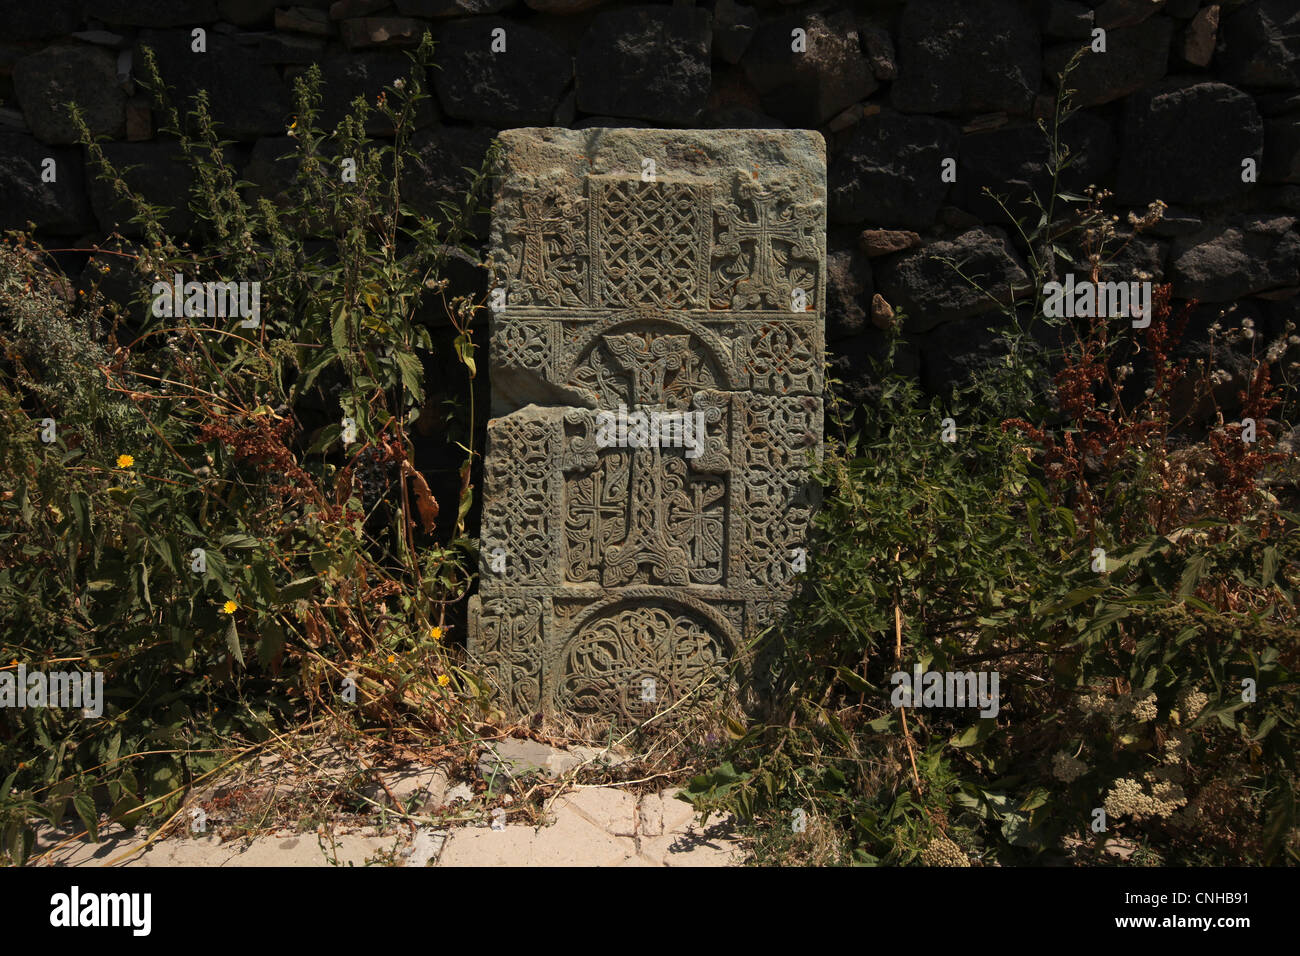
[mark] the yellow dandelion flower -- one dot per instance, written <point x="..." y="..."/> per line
<point x="391" y="658"/>
<point x="443" y="680"/>
<point x="229" y="607"/>
<point x="125" y="461"/>
<point x="435" y="633"/>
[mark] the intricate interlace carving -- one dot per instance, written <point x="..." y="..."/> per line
<point x="781" y="358"/>
<point x="607" y="663"/>
<point x="766" y="247"/>
<point x="776" y="495"/>
<point x="646" y="515"/>
<point x="517" y="343"/>
<point x="651" y="242"/>
<point x="648" y="360"/>
<point x="648" y="553"/>
<point x="696" y="517"/>
<point x="648" y="366"/>
<point x="546" y="251"/>
<point x="595" y="514"/>
<point x="519" y="517"/>
<point x="509" y="647"/>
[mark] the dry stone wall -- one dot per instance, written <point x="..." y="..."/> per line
<point x="1186" y="90"/>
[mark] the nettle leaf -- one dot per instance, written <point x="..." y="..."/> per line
<point x="977" y="733"/>
<point x="1269" y="570"/>
<point x="1193" y="573"/>
<point x="411" y="372"/>
<point x="324" y="358"/>
<point x="232" y="641"/>
<point x="837" y="728"/>
<point x="298" y="588"/>
<point x="1015" y="827"/>
<point x="1077" y="596"/>
<point x="126" y="810"/>
<point x="164" y="778"/>
<point x="853" y="681"/>
<point x="466" y="501"/>
<point x="266" y="588"/>
<point x="143" y="580"/>
<point x="84" y="804"/>
<point x="339" y="319"/>
<point x="326" y="438"/>
<point x="723" y="777"/>
<point x="81" y="512"/>
<point x="1037" y="798"/>
<point x="218" y="569"/>
<point x="886" y="724"/>
<point x="271" y="642"/>
<point x="1265" y="725"/>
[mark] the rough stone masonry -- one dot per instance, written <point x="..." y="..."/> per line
<point x="642" y="272"/>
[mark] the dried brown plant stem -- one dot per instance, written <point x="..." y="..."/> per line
<point x="898" y="658"/>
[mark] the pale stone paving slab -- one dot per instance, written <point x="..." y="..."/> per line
<point x="593" y="826"/>
<point x="603" y="826"/>
<point x="573" y="840"/>
<point x="609" y="808"/>
<point x="483" y="846"/>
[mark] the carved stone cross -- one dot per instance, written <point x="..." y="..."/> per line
<point x="648" y="363"/>
<point x="780" y="233"/>
<point x="612" y="567"/>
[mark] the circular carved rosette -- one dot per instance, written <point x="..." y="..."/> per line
<point x="630" y="662"/>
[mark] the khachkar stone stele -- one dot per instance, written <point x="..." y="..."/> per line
<point x="656" y="355"/>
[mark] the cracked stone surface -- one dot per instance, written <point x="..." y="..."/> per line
<point x="610" y="809"/>
<point x="643" y="273"/>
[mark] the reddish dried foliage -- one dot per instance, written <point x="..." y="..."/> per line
<point x="1100" y="432"/>
<point x="260" y="442"/>
<point x="1241" y="461"/>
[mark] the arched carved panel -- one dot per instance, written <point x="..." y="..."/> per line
<point x="635" y="657"/>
